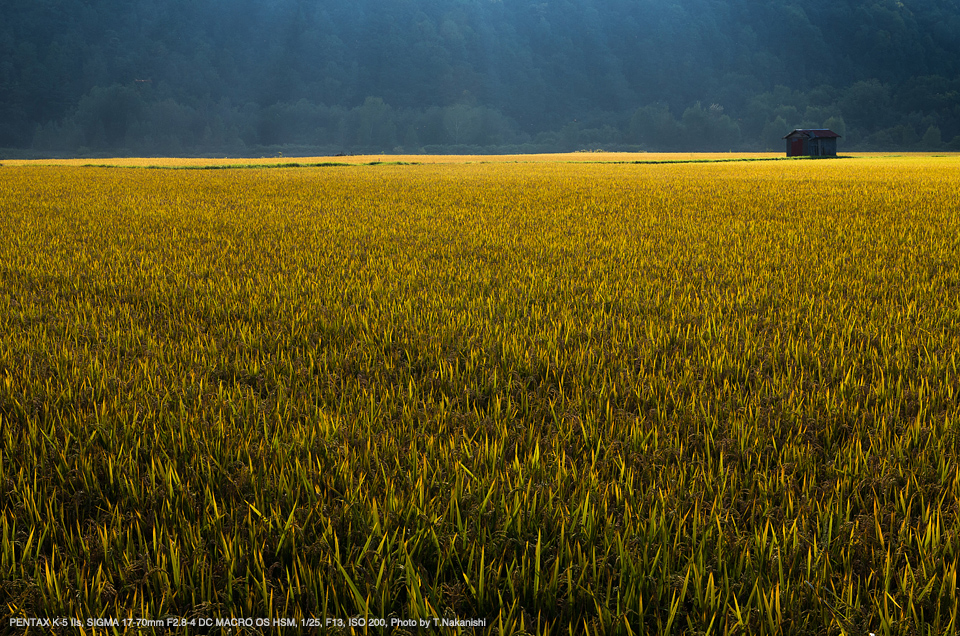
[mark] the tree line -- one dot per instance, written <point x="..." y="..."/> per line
<point x="243" y="76"/>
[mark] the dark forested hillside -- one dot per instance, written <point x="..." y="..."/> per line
<point x="236" y="76"/>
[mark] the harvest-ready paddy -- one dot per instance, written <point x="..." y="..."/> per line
<point x="552" y="396"/>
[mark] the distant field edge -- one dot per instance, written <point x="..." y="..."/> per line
<point x="215" y="163"/>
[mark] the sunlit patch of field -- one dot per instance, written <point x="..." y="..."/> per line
<point x="560" y="396"/>
<point x="326" y="161"/>
<point x="574" y="157"/>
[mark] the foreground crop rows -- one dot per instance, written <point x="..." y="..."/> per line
<point x="587" y="398"/>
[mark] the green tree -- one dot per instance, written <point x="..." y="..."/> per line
<point x="932" y="139"/>
<point x="375" y="125"/>
<point x="773" y="133"/>
<point x="866" y="104"/>
<point x="708" y="129"/>
<point x="462" y="123"/>
<point x="836" y="124"/>
<point x="106" y="114"/>
<point x="655" y="128"/>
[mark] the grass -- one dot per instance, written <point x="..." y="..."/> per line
<point x="590" y="398"/>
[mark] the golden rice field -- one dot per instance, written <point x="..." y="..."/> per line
<point x="563" y="397"/>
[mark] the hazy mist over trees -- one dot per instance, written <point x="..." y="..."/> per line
<point x="329" y="76"/>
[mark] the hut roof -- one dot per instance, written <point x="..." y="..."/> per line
<point x="815" y="133"/>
